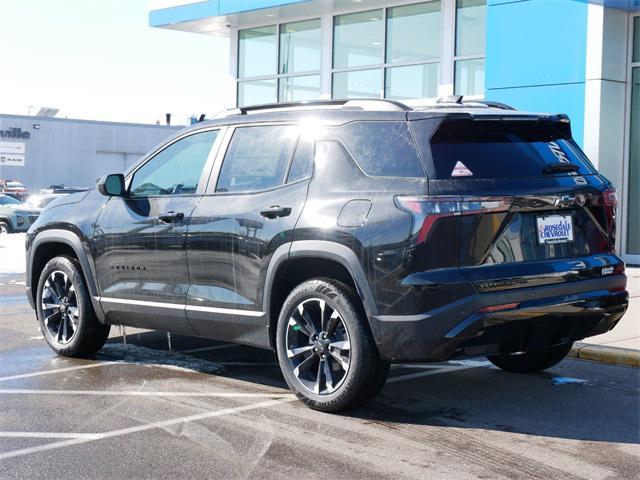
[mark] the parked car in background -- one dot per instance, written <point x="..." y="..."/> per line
<point x="15" y="216"/>
<point x="13" y="188"/>
<point x="62" y="189"/>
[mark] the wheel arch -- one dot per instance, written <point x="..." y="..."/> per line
<point x="51" y="243"/>
<point x="293" y="263"/>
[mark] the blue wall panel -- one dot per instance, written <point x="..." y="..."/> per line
<point x="536" y="56"/>
<point x="567" y="98"/>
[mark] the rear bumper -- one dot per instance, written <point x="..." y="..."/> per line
<point x="544" y="316"/>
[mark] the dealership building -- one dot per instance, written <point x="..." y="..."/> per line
<point x="580" y="57"/>
<point x="40" y="151"/>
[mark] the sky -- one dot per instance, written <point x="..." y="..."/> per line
<point x="100" y="60"/>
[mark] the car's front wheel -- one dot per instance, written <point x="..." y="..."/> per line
<point x="325" y="349"/>
<point x="4" y="227"/>
<point x="65" y="313"/>
<point x="534" y="361"/>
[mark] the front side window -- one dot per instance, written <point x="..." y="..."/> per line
<point x="175" y="170"/>
<point x="257" y="158"/>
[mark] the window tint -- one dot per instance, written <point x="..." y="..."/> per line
<point x="384" y="149"/>
<point x="257" y="158"/>
<point x="302" y="164"/>
<point x="490" y="149"/>
<point x="176" y="169"/>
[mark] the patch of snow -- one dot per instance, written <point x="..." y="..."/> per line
<point x="567" y="380"/>
<point x="470" y="363"/>
<point x="37" y="337"/>
<point x="12" y="253"/>
<point x="137" y="355"/>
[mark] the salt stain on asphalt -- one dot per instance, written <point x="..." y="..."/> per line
<point x="135" y="354"/>
<point x="568" y="380"/>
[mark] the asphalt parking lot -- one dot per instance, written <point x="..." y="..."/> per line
<point x="211" y="410"/>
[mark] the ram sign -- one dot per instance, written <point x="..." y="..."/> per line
<point x="12" y="154"/>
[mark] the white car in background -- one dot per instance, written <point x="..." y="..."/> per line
<point x="15" y="216"/>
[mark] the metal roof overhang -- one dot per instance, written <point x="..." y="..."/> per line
<point x="218" y="17"/>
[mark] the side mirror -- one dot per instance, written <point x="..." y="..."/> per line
<point x="112" y="185"/>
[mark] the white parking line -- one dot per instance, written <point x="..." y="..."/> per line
<point x="134" y="393"/>
<point x="432" y="371"/>
<point x="47" y="435"/>
<point x="57" y="370"/>
<point x="142" y="428"/>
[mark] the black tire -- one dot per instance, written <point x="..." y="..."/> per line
<point x="533" y="361"/>
<point x="366" y="373"/>
<point x="4" y="227"/>
<point x="83" y="335"/>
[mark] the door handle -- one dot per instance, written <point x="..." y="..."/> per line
<point x="275" y="211"/>
<point x="170" y="217"/>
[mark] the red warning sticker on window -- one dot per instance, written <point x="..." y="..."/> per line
<point x="461" y="170"/>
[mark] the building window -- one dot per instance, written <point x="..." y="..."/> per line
<point x="471" y="16"/>
<point x="393" y="52"/>
<point x="633" y="179"/>
<point x="396" y="52"/>
<point x="279" y="63"/>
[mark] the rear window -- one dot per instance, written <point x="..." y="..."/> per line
<point x="382" y="149"/>
<point x="500" y="149"/>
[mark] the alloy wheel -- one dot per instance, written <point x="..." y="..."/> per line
<point x="318" y="346"/>
<point x="60" y="307"/>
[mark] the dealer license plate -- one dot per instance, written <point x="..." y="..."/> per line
<point x="555" y="229"/>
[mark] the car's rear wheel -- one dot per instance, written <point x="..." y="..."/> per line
<point x="325" y="349"/>
<point x="534" y="361"/>
<point x="64" y="309"/>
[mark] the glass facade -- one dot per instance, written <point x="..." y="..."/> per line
<point x="413" y="32"/>
<point x="275" y="63"/>
<point x="636" y="39"/>
<point x="395" y="52"/>
<point x="257" y="52"/>
<point x="300" y="47"/>
<point x="471" y="19"/>
<point x="295" y="89"/>
<point x="358" y="84"/>
<point x="413" y="81"/>
<point x="357" y="39"/>
<point x="633" y="180"/>
<point x="469" y="77"/>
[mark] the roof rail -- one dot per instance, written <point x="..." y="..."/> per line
<point x="353" y="104"/>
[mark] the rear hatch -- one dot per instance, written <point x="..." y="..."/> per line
<point x="529" y="207"/>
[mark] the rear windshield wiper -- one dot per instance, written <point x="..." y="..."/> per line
<point x="560" y="168"/>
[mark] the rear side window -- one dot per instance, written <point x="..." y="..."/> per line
<point x="302" y="163"/>
<point x="500" y="149"/>
<point x="257" y="158"/>
<point x="382" y="149"/>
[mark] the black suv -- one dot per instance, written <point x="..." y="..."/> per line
<point x="344" y="235"/>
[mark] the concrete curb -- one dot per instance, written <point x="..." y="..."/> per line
<point x="604" y="354"/>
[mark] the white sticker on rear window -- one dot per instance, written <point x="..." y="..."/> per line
<point x="461" y="170"/>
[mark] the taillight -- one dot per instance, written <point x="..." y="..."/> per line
<point x="610" y="197"/>
<point x="610" y="202"/>
<point x="427" y="210"/>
